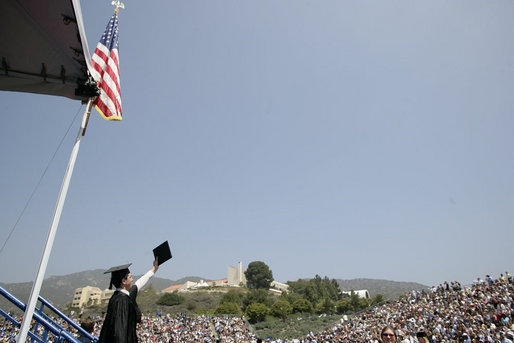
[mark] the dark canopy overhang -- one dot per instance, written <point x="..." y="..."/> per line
<point x="43" y="48"/>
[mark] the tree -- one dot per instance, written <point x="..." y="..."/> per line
<point x="317" y="289"/>
<point x="281" y="309"/>
<point x="364" y="303"/>
<point x="256" y="312"/>
<point x="325" y="306"/>
<point x="257" y="296"/>
<point x="228" y="308"/>
<point x="336" y="293"/>
<point x="258" y="275"/>
<point x="302" y="306"/>
<point x="377" y="299"/>
<point x="343" y="306"/>
<point x="290" y="297"/>
<point x="355" y="301"/>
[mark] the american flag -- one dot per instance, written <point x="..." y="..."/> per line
<point x="106" y="72"/>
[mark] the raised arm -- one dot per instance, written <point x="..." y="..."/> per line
<point x="142" y="281"/>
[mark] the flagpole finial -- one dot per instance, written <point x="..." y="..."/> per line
<point x="118" y="4"/>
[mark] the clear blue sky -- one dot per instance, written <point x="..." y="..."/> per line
<point x="349" y="139"/>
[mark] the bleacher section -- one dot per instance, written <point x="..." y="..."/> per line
<point x="44" y="328"/>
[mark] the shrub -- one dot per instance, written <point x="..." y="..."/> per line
<point x="281" y="309"/>
<point x="228" y="308"/>
<point x="231" y="296"/>
<point x="170" y="299"/>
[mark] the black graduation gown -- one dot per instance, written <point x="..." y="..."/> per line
<point x="121" y="318"/>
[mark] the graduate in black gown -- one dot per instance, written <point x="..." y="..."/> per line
<point x="123" y="314"/>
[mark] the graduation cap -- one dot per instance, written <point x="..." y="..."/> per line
<point x="118" y="273"/>
<point x="162" y="252"/>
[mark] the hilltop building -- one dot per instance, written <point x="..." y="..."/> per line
<point x="191" y="285"/>
<point x="86" y="296"/>
<point x="278" y="287"/>
<point x="90" y="296"/>
<point x="235" y="278"/>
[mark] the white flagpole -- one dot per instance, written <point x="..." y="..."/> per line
<point x="36" y="287"/>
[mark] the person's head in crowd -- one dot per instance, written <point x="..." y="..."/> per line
<point x="88" y="325"/>
<point x="388" y="335"/>
<point x="422" y="337"/>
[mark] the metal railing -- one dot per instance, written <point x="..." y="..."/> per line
<point x="43" y="328"/>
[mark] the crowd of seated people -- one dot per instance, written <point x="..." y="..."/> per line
<point x="449" y="312"/>
<point x="446" y="313"/>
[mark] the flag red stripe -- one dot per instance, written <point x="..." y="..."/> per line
<point x="113" y="75"/>
<point x="111" y="95"/>
<point x="106" y="73"/>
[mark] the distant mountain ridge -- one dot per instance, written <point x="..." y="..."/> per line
<point x="59" y="290"/>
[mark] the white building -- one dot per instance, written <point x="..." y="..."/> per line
<point x="363" y="293"/>
<point x="279" y="286"/>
